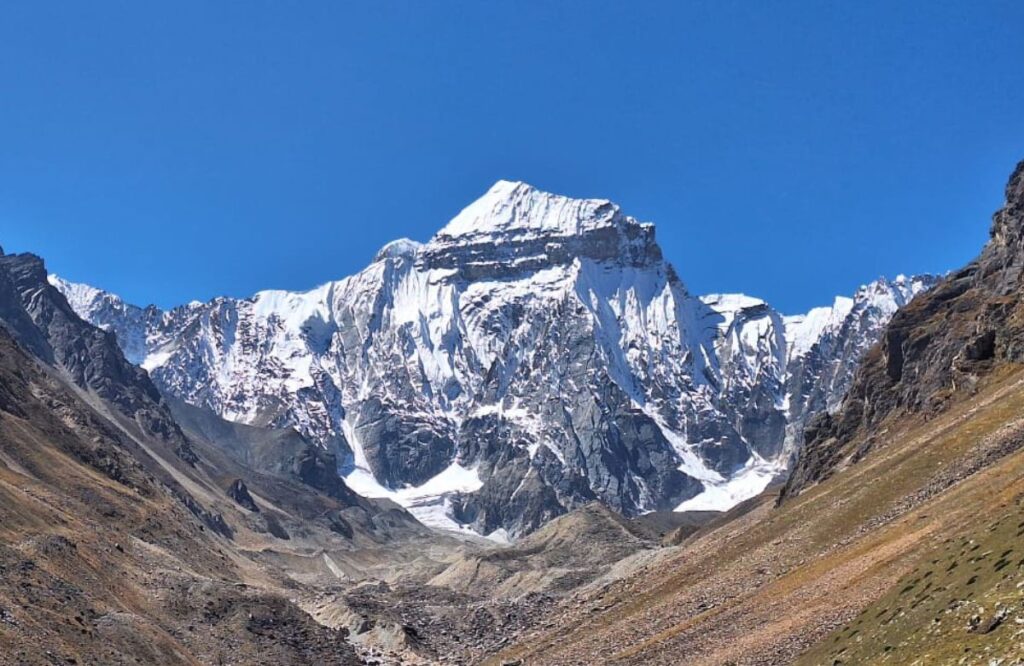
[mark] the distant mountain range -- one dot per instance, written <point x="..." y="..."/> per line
<point x="538" y="353"/>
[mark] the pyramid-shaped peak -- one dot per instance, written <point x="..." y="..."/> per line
<point x="517" y="208"/>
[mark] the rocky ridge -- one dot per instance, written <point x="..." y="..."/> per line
<point x="967" y="326"/>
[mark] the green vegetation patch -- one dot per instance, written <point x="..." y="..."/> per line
<point x="964" y="604"/>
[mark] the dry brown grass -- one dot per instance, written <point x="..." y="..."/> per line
<point x="765" y="587"/>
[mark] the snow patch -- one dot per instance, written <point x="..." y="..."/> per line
<point x="333" y="566"/>
<point x="690" y="463"/>
<point x="156" y="359"/>
<point x="454" y="479"/>
<point x="403" y="248"/>
<point x="429" y="503"/>
<point x="724" y="495"/>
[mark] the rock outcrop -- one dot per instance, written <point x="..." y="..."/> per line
<point x="969" y="324"/>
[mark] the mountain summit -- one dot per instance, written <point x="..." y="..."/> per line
<point x="536" y="354"/>
<point x="516" y="207"/>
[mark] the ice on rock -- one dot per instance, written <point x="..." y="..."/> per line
<point x="804" y="331"/>
<point x="403" y="248"/>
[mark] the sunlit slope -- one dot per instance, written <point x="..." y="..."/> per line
<point x="770" y="584"/>
<point x="963" y="600"/>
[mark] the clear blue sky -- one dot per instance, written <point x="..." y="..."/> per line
<point x="788" y="150"/>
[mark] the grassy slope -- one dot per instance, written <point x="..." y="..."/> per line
<point x="770" y="584"/>
<point x="962" y="603"/>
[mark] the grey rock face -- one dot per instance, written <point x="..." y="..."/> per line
<point x="239" y="492"/>
<point x="931" y="351"/>
<point x="402" y="447"/>
<point x="538" y="348"/>
<point x="280" y="452"/>
<point x="42" y="321"/>
<point x="818" y="380"/>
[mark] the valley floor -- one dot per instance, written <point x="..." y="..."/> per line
<point x="911" y="555"/>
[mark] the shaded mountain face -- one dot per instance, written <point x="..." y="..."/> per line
<point x="113" y="539"/>
<point x="282" y="463"/>
<point x="968" y="326"/>
<point x="42" y="322"/>
<point x="537" y="354"/>
<point x="107" y="560"/>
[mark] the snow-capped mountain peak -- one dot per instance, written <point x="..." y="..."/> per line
<point x="514" y="207"/>
<point x="538" y="344"/>
<point x="77" y="293"/>
<point x="890" y="295"/>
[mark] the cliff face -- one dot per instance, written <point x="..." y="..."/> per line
<point x="934" y="349"/>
